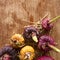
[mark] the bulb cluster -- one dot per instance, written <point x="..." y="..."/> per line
<point x="27" y="45"/>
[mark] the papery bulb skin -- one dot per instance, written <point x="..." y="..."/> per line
<point x="44" y="41"/>
<point x="27" y="52"/>
<point x="28" y="31"/>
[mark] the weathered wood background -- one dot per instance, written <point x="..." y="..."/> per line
<point x="13" y="12"/>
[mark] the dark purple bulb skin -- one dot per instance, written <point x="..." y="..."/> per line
<point x="28" y="31"/>
<point x="43" y="41"/>
<point x="45" y="58"/>
<point x="10" y="51"/>
<point x="46" y="25"/>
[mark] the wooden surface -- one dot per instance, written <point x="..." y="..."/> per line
<point x="14" y="12"/>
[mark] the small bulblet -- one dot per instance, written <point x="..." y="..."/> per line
<point x="46" y="25"/>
